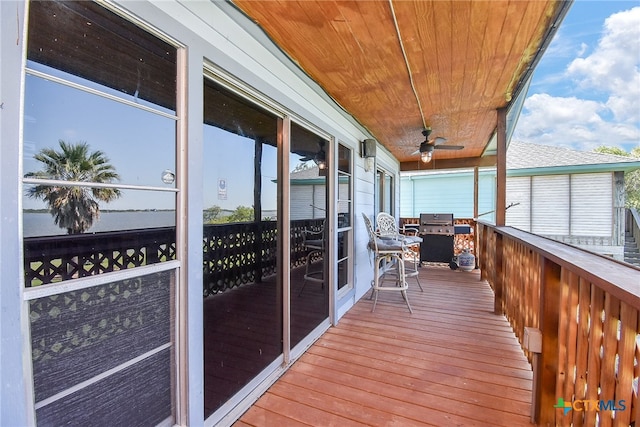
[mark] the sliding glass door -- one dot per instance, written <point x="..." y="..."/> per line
<point x="242" y="289"/>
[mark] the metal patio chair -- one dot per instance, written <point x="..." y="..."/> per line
<point x="313" y="241"/>
<point x="388" y="228"/>
<point x="388" y="254"/>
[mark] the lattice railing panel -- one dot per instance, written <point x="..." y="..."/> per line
<point x="56" y="258"/>
<point x="233" y="254"/>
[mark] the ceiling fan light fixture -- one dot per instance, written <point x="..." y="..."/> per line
<point x="320" y="159"/>
<point x="425" y="156"/>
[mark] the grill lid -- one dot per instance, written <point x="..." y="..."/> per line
<point x="436" y="219"/>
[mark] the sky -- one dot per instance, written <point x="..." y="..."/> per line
<point x="585" y="91"/>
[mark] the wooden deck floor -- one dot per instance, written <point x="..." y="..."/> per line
<point x="450" y="363"/>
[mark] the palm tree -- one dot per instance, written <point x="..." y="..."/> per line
<point x="73" y="208"/>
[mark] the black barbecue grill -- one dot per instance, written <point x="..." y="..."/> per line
<point x="438" y="231"/>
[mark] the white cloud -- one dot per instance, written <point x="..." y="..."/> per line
<point x="605" y="108"/>
<point x="614" y="66"/>
<point x="583" y="49"/>
<point x="572" y="122"/>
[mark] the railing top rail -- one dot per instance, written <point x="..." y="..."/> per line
<point x="618" y="279"/>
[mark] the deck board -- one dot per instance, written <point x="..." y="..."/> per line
<point x="453" y="362"/>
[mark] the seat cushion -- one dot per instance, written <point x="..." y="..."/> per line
<point x="412" y="240"/>
<point x="388" y="245"/>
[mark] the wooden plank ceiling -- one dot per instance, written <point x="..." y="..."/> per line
<point x="399" y="66"/>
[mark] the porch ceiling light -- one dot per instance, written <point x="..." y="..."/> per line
<point x="321" y="159"/>
<point x="426" y="152"/>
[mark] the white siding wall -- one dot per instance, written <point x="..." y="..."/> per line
<point x="576" y="208"/>
<point x="364" y="204"/>
<point x="407" y="197"/>
<point x="301" y="201"/>
<point x="487" y="196"/>
<point x="592" y="205"/>
<point x="550" y="205"/>
<point x="443" y="193"/>
<point x="519" y="193"/>
<point x="446" y="192"/>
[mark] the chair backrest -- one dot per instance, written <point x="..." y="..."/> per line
<point x="314" y="239"/>
<point x="369" y="225"/>
<point x="381" y="245"/>
<point x="387" y="226"/>
<point x="373" y="236"/>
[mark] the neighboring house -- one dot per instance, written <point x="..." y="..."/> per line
<point x="308" y="194"/>
<point x="567" y="195"/>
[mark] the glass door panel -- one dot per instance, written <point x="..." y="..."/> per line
<point x="99" y="228"/>
<point x="242" y="292"/>
<point x="345" y="220"/>
<point x="309" y="231"/>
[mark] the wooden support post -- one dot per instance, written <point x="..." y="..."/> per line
<point x="501" y="168"/>
<point x="476" y="192"/>
<point x="547" y="370"/>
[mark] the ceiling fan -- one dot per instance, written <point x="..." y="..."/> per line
<point x="428" y="145"/>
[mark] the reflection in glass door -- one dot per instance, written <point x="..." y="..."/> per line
<point x="242" y="289"/>
<point x="309" y="231"/>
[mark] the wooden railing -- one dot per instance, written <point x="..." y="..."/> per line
<point x="233" y="254"/>
<point x="586" y="307"/>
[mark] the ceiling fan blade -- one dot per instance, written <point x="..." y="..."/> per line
<point x="415" y="152"/>
<point x="439" y="140"/>
<point x="448" y="147"/>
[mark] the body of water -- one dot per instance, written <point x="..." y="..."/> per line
<point x="41" y="224"/>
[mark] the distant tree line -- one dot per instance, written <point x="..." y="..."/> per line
<point x="216" y="215"/>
